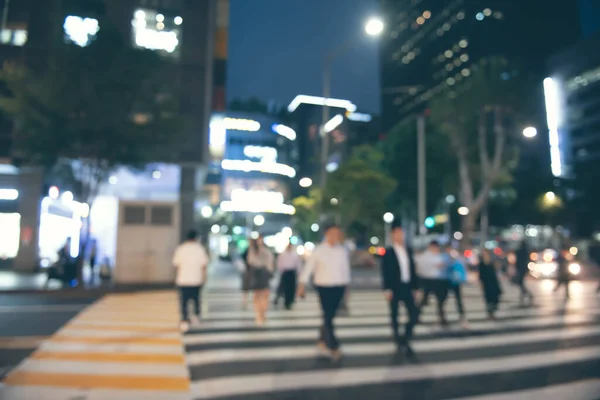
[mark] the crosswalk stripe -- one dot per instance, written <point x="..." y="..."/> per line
<point x="98" y="393"/>
<point x="582" y="390"/>
<point x="287" y="353"/>
<point x="269" y="383"/>
<point x="358" y="332"/>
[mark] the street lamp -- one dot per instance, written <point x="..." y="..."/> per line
<point x="373" y="27"/>
<point x="463" y="211"/>
<point x="550" y="197"/>
<point x="388" y="218"/>
<point x="530" y="132"/>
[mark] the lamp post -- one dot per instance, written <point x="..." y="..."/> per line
<point x="388" y="218"/>
<point x="373" y="27"/>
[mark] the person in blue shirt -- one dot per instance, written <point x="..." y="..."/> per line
<point x="457" y="275"/>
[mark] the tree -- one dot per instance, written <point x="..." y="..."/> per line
<point x="361" y="189"/>
<point x="91" y="110"/>
<point x="307" y="213"/>
<point x="400" y="162"/>
<point x="481" y="119"/>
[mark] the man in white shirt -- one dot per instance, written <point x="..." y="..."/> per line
<point x="431" y="268"/>
<point x="330" y="266"/>
<point x="191" y="261"/>
<point x="399" y="279"/>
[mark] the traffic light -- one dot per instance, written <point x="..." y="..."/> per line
<point x="429" y="222"/>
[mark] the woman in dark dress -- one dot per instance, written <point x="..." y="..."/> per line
<point x="489" y="282"/>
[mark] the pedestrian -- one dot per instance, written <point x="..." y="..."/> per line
<point x="456" y="275"/>
<point x="260" y="263"/>
<point x="244" y="269"/>
<point x="191" y="261"/>
<point x="490" y="283"/>
<point x="330" y="267"/>
<point x="522" y="267"/>
<point x="399" y="278"/>
<point x="563" y="276"/>
<point x="288" y="265"/>
<point x="432" y="277"/>
<point x="93" y="255"/>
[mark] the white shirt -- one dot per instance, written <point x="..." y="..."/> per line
<point x="429" y="265"/>
<point x="289" y="260"/>
<point x="191" y="262"/>
<point x="403" y="260"/>
<point x="330" y="266"/>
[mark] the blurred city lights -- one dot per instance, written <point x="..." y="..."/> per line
<point x="287" y="232"/>
<point x="300" y="250"/>
<point x="254" y="235"/>
<point x="574" y="268"/>
<point x="9" y="194"/>
<point x="241" y="124"/>
<point x="374" y="240"/>
<point x="215" y="229"/>
<point x="206" y="212"/>
<point x="480" y="16"/>
<point x="259" y="220"/>
<point x="553" y="118"/>
<point x="332" y="167"/>
<point x="112" y="180"/>
<point x="463" y="211"/>
<point x="550" y="196"/>
<point x="306" y="182"/>
<point x="374" y="26"/>
<point x="388" y="217"/>
<point x="450" y="199"/>
<point x="334" y="202"/>
<point x="458" y="235"/>
<point x="156" y="174"/>
<point x="333" y="123"/>
<point x="529" y="132"/>
<point x="321" y="101"/>
<point x="315" y="227"/>
<point x="284" y="131"/>
<point x="67" y="197"/>
<point x="251" y="166"/>
<point x="178" y="20"/>
<point x="53" y="192"/>
<point x="574" y="251"/>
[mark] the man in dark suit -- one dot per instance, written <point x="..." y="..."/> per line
<point x="399" y="281"/>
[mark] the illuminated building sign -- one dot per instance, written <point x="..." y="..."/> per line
<point x="251" y="166"/>
<point x="359" y="117"/>
<point x="553" y="117"/>
<point x="284" y="131"/>
<point x="240" y="124"/>
<point x="257" y="201"/>
<point x="266" y="154"/>
<point x="9" y="194"/>
<point x="79" y="30"/>
<point x="321" y="101"/>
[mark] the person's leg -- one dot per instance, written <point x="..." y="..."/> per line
<point x="426" y="284"/>
<point x="456" y="289"/>
<point x="413" y="314"/>
<point x="337" y="294"/>
<point x="196" y="300"/>
<point x="265" y="303"/>
<point x="324" y="303"/>
<point x="256" y="300"/>
<point x="567" y="295"/>
<point x="394" y="316"/>
<point x="293" y="287"/>
<point x="183" y="295"/>
<point x="441" y="293"/>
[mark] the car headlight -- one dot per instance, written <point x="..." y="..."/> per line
<point x="548" y="269"/>
<point x="574" y="268"/>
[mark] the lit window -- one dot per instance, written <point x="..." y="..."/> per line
<point x="80" y="30"/>
<point x="463" y="44"/>
<point x="446" y="27"/>
<point x="411" y="55"/>
<point x="420" y="20"/>
<point x="464" y="58"/>
<point x="466" y="72"/>
<point x="487" y="12"/>
<point x="427" y="14"/>
<point x="448" y="53"/>
<point x="480" y="16"/>
<point x="460" y="15"/>
<point x="450" y="81"/>
<point x="449" y="67"/>
<point x="154" y="31"/>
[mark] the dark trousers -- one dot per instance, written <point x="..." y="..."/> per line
<point x="564" y="282"/>
<point x="187" y="293"/>
<point x="403" y="294"/>
<point x="455" y="288"/>
<point x="525" y="293"/>
<point x="439" y="288"/>
<point x="330" y="298"/>
<point x="288" y="287"/>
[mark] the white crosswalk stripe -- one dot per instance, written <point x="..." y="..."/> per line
<point x="544" y="351"/>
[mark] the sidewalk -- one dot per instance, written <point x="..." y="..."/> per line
<point x="124" y="347"/>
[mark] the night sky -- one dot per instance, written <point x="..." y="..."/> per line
<point x="277" y="48"/>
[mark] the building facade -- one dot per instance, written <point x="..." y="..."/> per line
<point x="184" y="32"/>
<point x="431" y="45"/>
<point x="572" y="92"/>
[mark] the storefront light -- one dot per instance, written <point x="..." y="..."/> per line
<point x="240" y="124"/>
<point x="284" y="131"/>
<point x="231" y="206"/>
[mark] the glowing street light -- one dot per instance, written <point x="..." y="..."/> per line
<point x="206" y="211"/>
<point x="388" y="217"/>
<point x="259" y="220"/>
<point x="550" y="196"/>
<point x="306" y="182"/>
<point x="530" y="132"/>
<point x="374" y="27"/>
<point x="463" y="211"/>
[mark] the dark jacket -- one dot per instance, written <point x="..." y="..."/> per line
<point x="390" y="270"/>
